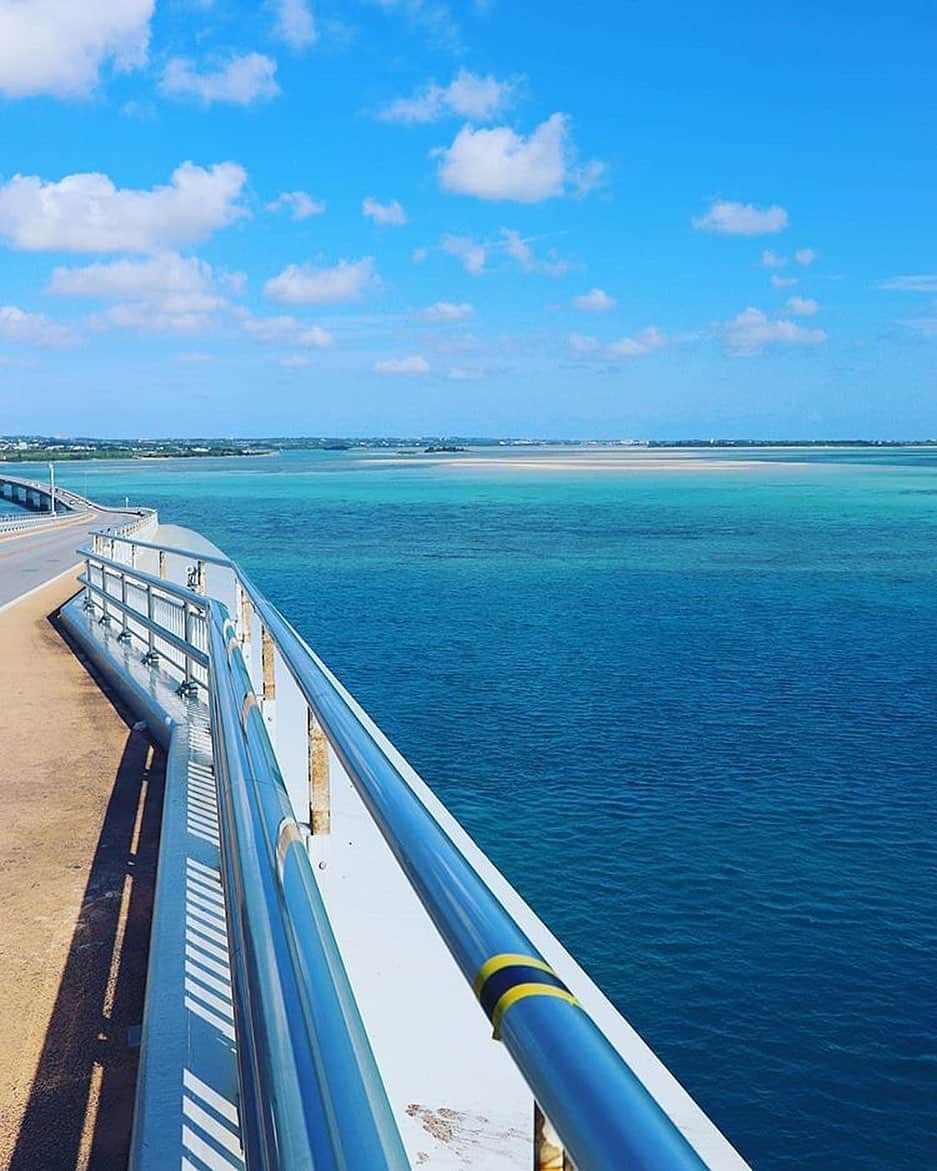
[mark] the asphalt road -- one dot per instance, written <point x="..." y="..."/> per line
<point x="29" y="560"/>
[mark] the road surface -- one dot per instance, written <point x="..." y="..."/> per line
<point x="30" y="559"/>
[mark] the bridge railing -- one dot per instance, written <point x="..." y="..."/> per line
<point x="602" y="1112"/>
<point x="311" y="1095"/>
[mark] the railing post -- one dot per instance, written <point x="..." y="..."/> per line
<point x="105" y="618"/>
<point x="162" y="563"/>
<point x="151" y="655"/>
<point x="89" y="596"/>
<point x="124" y="635"/>
<point x="320" y="810"/>
<point x="548" y="1150"/>
<point x="200" y="578"/>
<point x="188" y="685"/>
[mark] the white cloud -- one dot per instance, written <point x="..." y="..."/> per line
<point x="801" y="306"/>
<point x="752" y="332"/>
<point x="771" y="259"/>
<point x="288" y="331"/>
<point x="87" y="213"/>
<point x="500" y="164"/>
<point x="295" y="361"/>
<point x="645" y="342"/>
<point x="58" y="47"/>
<point x="595" y="301"/>
<point x="304" y="284"/>
<point x="467" y="96"/>
<point x="194" y="358"/>
<point x="16" y="325"/>
<point x="582" y="343"/>
<point x="158" y="275"/>
<point x="294" y="24"/>
<point x="383" y="213"/>
<point x="783" y="282"/>
<point x="163" y="294"/>
<point x="805" y="256"/>
<point x="519" y="249"/>
<point x="741" y="219"/>
<point x="465" y="374"/>
<point x="433" y="17"/>
<point x="472" y="253"/>
<point x="242" y="79"/>
<point x="449" y="311"/>
<point x="299" y="204"/>
<point x="419" y="255"/>
<point x="921" y="283"/>
<point x="415" y="364"/>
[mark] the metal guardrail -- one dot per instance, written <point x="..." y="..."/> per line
<point x="311" y="1095"/>
<point x="603" y="1114"/>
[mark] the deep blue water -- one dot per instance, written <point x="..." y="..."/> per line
<point x="690" y="714"/>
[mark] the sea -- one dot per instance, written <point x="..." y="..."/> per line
<point x="687" y="703"/>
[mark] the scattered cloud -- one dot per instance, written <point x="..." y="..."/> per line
<point x="752" y="332"/>
<point x="299" y="204"/>
<point x="16" y="325"/>
<point x="287" y="331"/>
<point x="413" y="365"/>
<point x="163" y="294"/>
<point x="499" y="164"/>
<point x="242" y="79"/>
<point x="519" y="249"/>
<point x="741" y="219"/>
<point x="646" y="342"/>
<point x="384" y="213"/>
<point x="419" y="255"/>
<point x="155" y="276"/>
<point x="305" y="284"/>
<point x="595" y="301"/>
<point x="294" y="24"/>
<point x="805" y="256"/>
<point x="87" y="213"/>
<point x="480" y="99"/>
<point x="194" y="358"/>
<point x="475" y="254"/>
<point x="801" y="306"/>
<point x="582" y="343"/>
<point x="783" y="282"/>
<point x="465" y="374"/>
<point x="58" y="47"/>
<point x="432" y="17"/>
<point x="295" y="361"/>
<point x="771" y="259"/>
<point x="449" y="311"/>
<point x="472" y="253"/>
<point x="921" y="283"/>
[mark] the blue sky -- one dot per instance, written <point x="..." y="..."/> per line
<point x="627" y="219"/>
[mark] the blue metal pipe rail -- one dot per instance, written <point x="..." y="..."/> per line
<point x="311" y="1095"/>
<point x="602" y="1112"/>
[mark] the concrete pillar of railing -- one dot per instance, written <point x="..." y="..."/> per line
<point x="548" y="1149"/>
<point x="200" y="578"/>
<point x="162" y="563"/>
<point x="320" y="808"/>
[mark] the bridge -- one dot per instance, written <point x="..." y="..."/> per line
<point x="338" y="976"/>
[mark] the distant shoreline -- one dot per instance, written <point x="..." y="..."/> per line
<point x="88" y="450"/>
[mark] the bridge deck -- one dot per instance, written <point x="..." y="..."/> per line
<point x="80" y="797"/>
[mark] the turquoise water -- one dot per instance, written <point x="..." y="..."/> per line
<point x="690" y="714"/>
